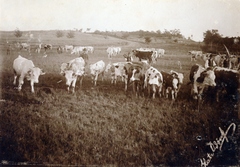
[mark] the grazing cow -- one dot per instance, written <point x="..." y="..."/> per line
<point x="117" y="70"/>
<point x="201" y="77"/>
<point x="194" y="54"/>
<point x="153" y="81"/>
<point x="78" y="49"/>
<point x="170" y="83"/>
<point x="145" y="55"/>
<point x="97" y="69"/>
<point x="47" y="46"/>
<point x="72" y="70"/>
<point x="25" y="68"/>
<point x="25" y="46"/>
<point x="227" y="81"/>
<point x="68" y="47"/>
<point x="160" y="52"/>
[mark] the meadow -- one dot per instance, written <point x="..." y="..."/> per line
<point x="103" y="125"/>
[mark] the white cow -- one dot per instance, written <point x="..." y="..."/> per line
<point x="68" y="47"/>
<point x="117" y="70"/>
<point x="25" y="46"/>
<point x="97" y="69"/>
<point x="89" y="49"/>
<point x="25" y="68"/>
<point x="77" y="49"/>
<point x="160" y="52"/>
<point x="153" y="80"/>
<point x="194" y="54"/>
<point x="72" y="70"/>
<point x="113" y="51"/>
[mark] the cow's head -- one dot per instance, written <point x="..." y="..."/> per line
<point x="207" y="77"/>
<point x="70" y="76"/>
<point x="34" y="73"/>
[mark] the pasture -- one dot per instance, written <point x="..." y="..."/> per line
<point x="103" y="125"/>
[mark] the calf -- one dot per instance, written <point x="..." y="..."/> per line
<point x="201" y="77"/>
<point x="170" y="83"/>
<point x="25" y="68"/>
<point x="97" y="69"/>
<point x="72" y="70"/>
<point x="153" y="80"/>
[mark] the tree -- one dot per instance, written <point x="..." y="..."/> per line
<point x="18" y="33"/>
<point x="148" y="40"/>
<point x="70" y="34"/>
<point x="211" y="37"/>
<point x="59" y="34"/>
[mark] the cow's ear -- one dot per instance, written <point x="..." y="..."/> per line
<point x="42" y="72"/>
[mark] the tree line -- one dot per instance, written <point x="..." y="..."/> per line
<point x="214" y="43"/>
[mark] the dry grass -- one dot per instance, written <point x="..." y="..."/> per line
<point x="103" y="125"/>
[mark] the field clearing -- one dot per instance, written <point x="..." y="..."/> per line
<point x="103" y="125"/>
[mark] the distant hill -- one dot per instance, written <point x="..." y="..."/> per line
<point x="93" y="39"/>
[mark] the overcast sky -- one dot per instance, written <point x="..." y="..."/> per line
<point x="192" y="17"/>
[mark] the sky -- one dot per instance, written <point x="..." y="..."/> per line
<point x="191" y="17"/>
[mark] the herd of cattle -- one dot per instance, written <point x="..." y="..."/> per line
<point x="139" y="75"/>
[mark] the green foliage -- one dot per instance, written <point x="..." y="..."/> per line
<point x="147" y="40"/>
<point x="70" y="34"/>
<point x="59" y="34"/>
<point x="18" y="33"/>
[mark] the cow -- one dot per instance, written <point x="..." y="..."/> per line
<point x="199" y="78"/>
<point x="128" y="57"/>
<point x="97" y="69"/>
<point x="89" y="49"/>
<point x="78" y="49"/>
<point x="160" y="52"/>
<point x="47" y="46"/>
<point x="170" y="83"/>
<point x="72" y="70"/>
<point x="25" y="46"/>
<point x="135" y="74"/>
<point x="227" y="83"/>
<point x="68" y="47"/>
<point x="194" y="54"/>
<point x="153" y="81"/>
<point x="25" y="68"/>
<point x="38" y="48"/>
<point x="59" y="50"/>
<point x="117" y="70"/>
<point x="145" y="55"/>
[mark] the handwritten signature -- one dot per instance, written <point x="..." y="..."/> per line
<point x="217" y="144"/>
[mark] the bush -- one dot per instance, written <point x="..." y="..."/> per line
<point x="70" y="34"/>
<point x="18" y="33"/>
<point x="59" y="34"/>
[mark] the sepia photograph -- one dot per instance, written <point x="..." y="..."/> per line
<point x="118" y="83"/>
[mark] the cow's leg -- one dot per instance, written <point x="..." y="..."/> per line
<point x="126" y="83"/>
<point x="20" y="83"/>
<point x="15" y="78"/>
<point x="74" y="84"/>
<point x="166" y="92"/>
<point x="81" y="79"/>
<point x="95" y="80"/>
<point x="32" y="86"/>
<point x="160" y="90"/>
<point x="154" y="91"/>
<point x="194" y="91"/>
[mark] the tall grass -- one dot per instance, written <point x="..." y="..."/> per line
<point x="103" y="125"/>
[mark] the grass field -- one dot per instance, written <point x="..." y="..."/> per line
<point x="103" y="125"/>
